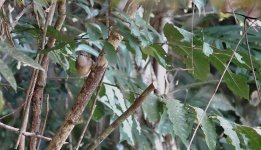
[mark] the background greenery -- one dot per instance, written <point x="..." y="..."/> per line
<point x="165" y="120"/>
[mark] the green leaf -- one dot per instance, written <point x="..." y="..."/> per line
<point x="110" y="53"/>
<point x="208" y="129"/>
<point x="200" y="65"/>
<point x="52" y="32"/>
<point x="254" y="139"/>
<point x="177" y="115"/>
<point x="157" y="52"/>
<point x="150" y="108"/>
<point x="126" y="132"/>
<point x="56" y="47"/>
<point x="7" y="74"/>
<point x="88" y="49"/>
<point x="172" y="34"/>
<point x="99" y="111"/>
<point x="164" y="126"/>
<point x="229" y="131"/>
<point x="20" y="56"/>
<point x="236" y="83"/>
<point x="94" y="31"/>
<point x="178" y="39"/>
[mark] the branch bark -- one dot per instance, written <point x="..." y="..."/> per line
<point x="41" y="80"/>
<point x="124" y="116"/>
<point x="10" y="128"/>
<point x="90" y="84"/>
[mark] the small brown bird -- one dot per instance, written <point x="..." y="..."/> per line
<point x="83" y="63"/>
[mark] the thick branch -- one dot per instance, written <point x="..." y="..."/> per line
<point x="123" y="117"/>
<point x="41" y="80"/>
<point x="90" y="84"/>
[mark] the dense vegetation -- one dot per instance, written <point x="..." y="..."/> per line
<point x="168" y="74"/>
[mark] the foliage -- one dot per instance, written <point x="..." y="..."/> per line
<point x="205" y="52"/>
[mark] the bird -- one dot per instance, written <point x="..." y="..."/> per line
<point x="83" y="63"/>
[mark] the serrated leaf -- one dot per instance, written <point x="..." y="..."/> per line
<point x="7" y="74"/>
<point x="229" y="131"/>
<point x="150" y="108"/>
<point x="177" y="115"/>
<point x="115" y="101"/>
<point x="208" y="129"/>
<point x="236" y="83"/>
<point x="253" y="138"/>
<point x="164" y="126"/>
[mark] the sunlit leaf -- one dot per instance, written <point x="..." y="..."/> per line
<point x="177" y="115"/>
<point x="208" y="129"/>
<point x="229" y="131"/>
<point x="164" y="126"/>
<point x="207" y="50"/>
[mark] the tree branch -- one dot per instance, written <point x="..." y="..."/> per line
<point x="90" y="84"/>
<point x="10" y="128"/>
<point x="41" y="81"/>
<point x="123" y="117"/>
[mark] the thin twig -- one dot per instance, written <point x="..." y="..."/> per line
<point x="185" y="87"/>
<point x="90" y="84"/>
<point x="16" y="130"/>
<point x="192" y="38"/>
<point x="137" y="103"/>
<point x="216" y="89"/>
<point x="28" y="98"/>
<point x="45" y="120"/>
<point x="6" y="84"/>
<point x="16" y="110"/>
<point x="90" y="116"/>
<point x="251" y="62"/>
<point x="41" y="78"/>
<point x="17" y="18"/>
